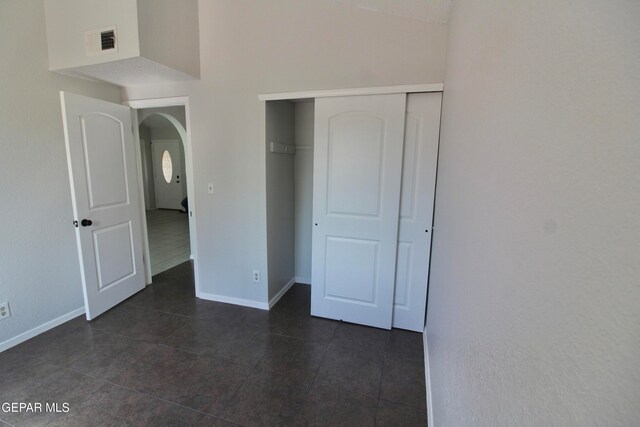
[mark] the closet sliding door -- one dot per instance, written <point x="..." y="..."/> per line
<point x="421" y="136"/>
<point x="358" y="157"/>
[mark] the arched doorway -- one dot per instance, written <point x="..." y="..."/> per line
<point x="163" y="151"/>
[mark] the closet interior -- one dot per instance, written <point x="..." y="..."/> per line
<point x="350" y="194"/>
<point x="289" y="170"/>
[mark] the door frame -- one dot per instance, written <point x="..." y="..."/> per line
<point x="185" y="135"/>
<point x="375" y="90"/>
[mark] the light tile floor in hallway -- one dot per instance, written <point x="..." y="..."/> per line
<point x="168" y="239"/>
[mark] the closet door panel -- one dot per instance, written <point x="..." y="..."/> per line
<point x="422" y="129"/>
<point x="353" y="164"/>
<point x="356" y="186"/>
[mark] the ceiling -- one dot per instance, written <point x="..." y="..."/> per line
<point x="421" y="10"/>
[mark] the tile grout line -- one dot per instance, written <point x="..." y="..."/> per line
<point x="384" y="362"/>
<point x="163" y="400"/>
<point x="7" y="423"/>
<point x="103" y="381"/>
<point x="242" y="383"/>
<point x="324" y="357"/>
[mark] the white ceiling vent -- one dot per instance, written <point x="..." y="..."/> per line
<point x="100" y="41"/>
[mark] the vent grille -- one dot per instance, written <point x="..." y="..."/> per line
<point x="108" y="40"/>
<point x="101" y="41"/>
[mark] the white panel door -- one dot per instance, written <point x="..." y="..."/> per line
<point x="106" y="203"/>
<point x="168" y="174"/>
<point x="422" y="130"/>
<point x="356" y="198"/>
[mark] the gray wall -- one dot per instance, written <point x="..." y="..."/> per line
<point x="39" y="269"/>
<point x="177" y="112"/>
<point x="534" y="299"/>
<point x="280" y="196"/>
<point x="303" y="190"/>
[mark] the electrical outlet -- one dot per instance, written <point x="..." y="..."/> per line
<point x="256" y="276"/>
<point x="5" y="313"/>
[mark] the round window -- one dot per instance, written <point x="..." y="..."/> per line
<point x="167" y="166"/>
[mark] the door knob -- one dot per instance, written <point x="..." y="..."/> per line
<point x="86" y="222"/>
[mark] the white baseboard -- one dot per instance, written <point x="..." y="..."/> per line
<point x="303" y="280"/>
<point x="12" y="342"/>
<point x="427" y="378"/>
<point x="232" y="300"/>
<point x="283" y="291"/>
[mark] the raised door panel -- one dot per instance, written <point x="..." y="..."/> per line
<point x="355" y="281"/>
<point x="105" y="160"/>
<point x="355" y="156"/>
<point x="410" y="165"/>
<point x="114" y="249"/>
<point x="404" y="270"/>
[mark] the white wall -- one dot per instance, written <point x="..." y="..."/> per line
<point x="67" y="21"/>
<point x="280" y="196"/>
<point x="249" y="48"/>
<point x="176" y="111"/>
<point x="168" y="33"/>
<point x="164" y="133"/>
<point x="39" y="270"/>
<point x="163" y="32"/>
<point x="534" y="298"/>
<point x="303" y="189"/>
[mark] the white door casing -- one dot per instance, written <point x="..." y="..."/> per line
<point x="421" y="136"/>
<point x="102" y="162"/>
<point x="169" y="195"/>
<point x="356" y="190"/>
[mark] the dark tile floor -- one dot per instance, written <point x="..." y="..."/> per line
<point x="164" y="357"/>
